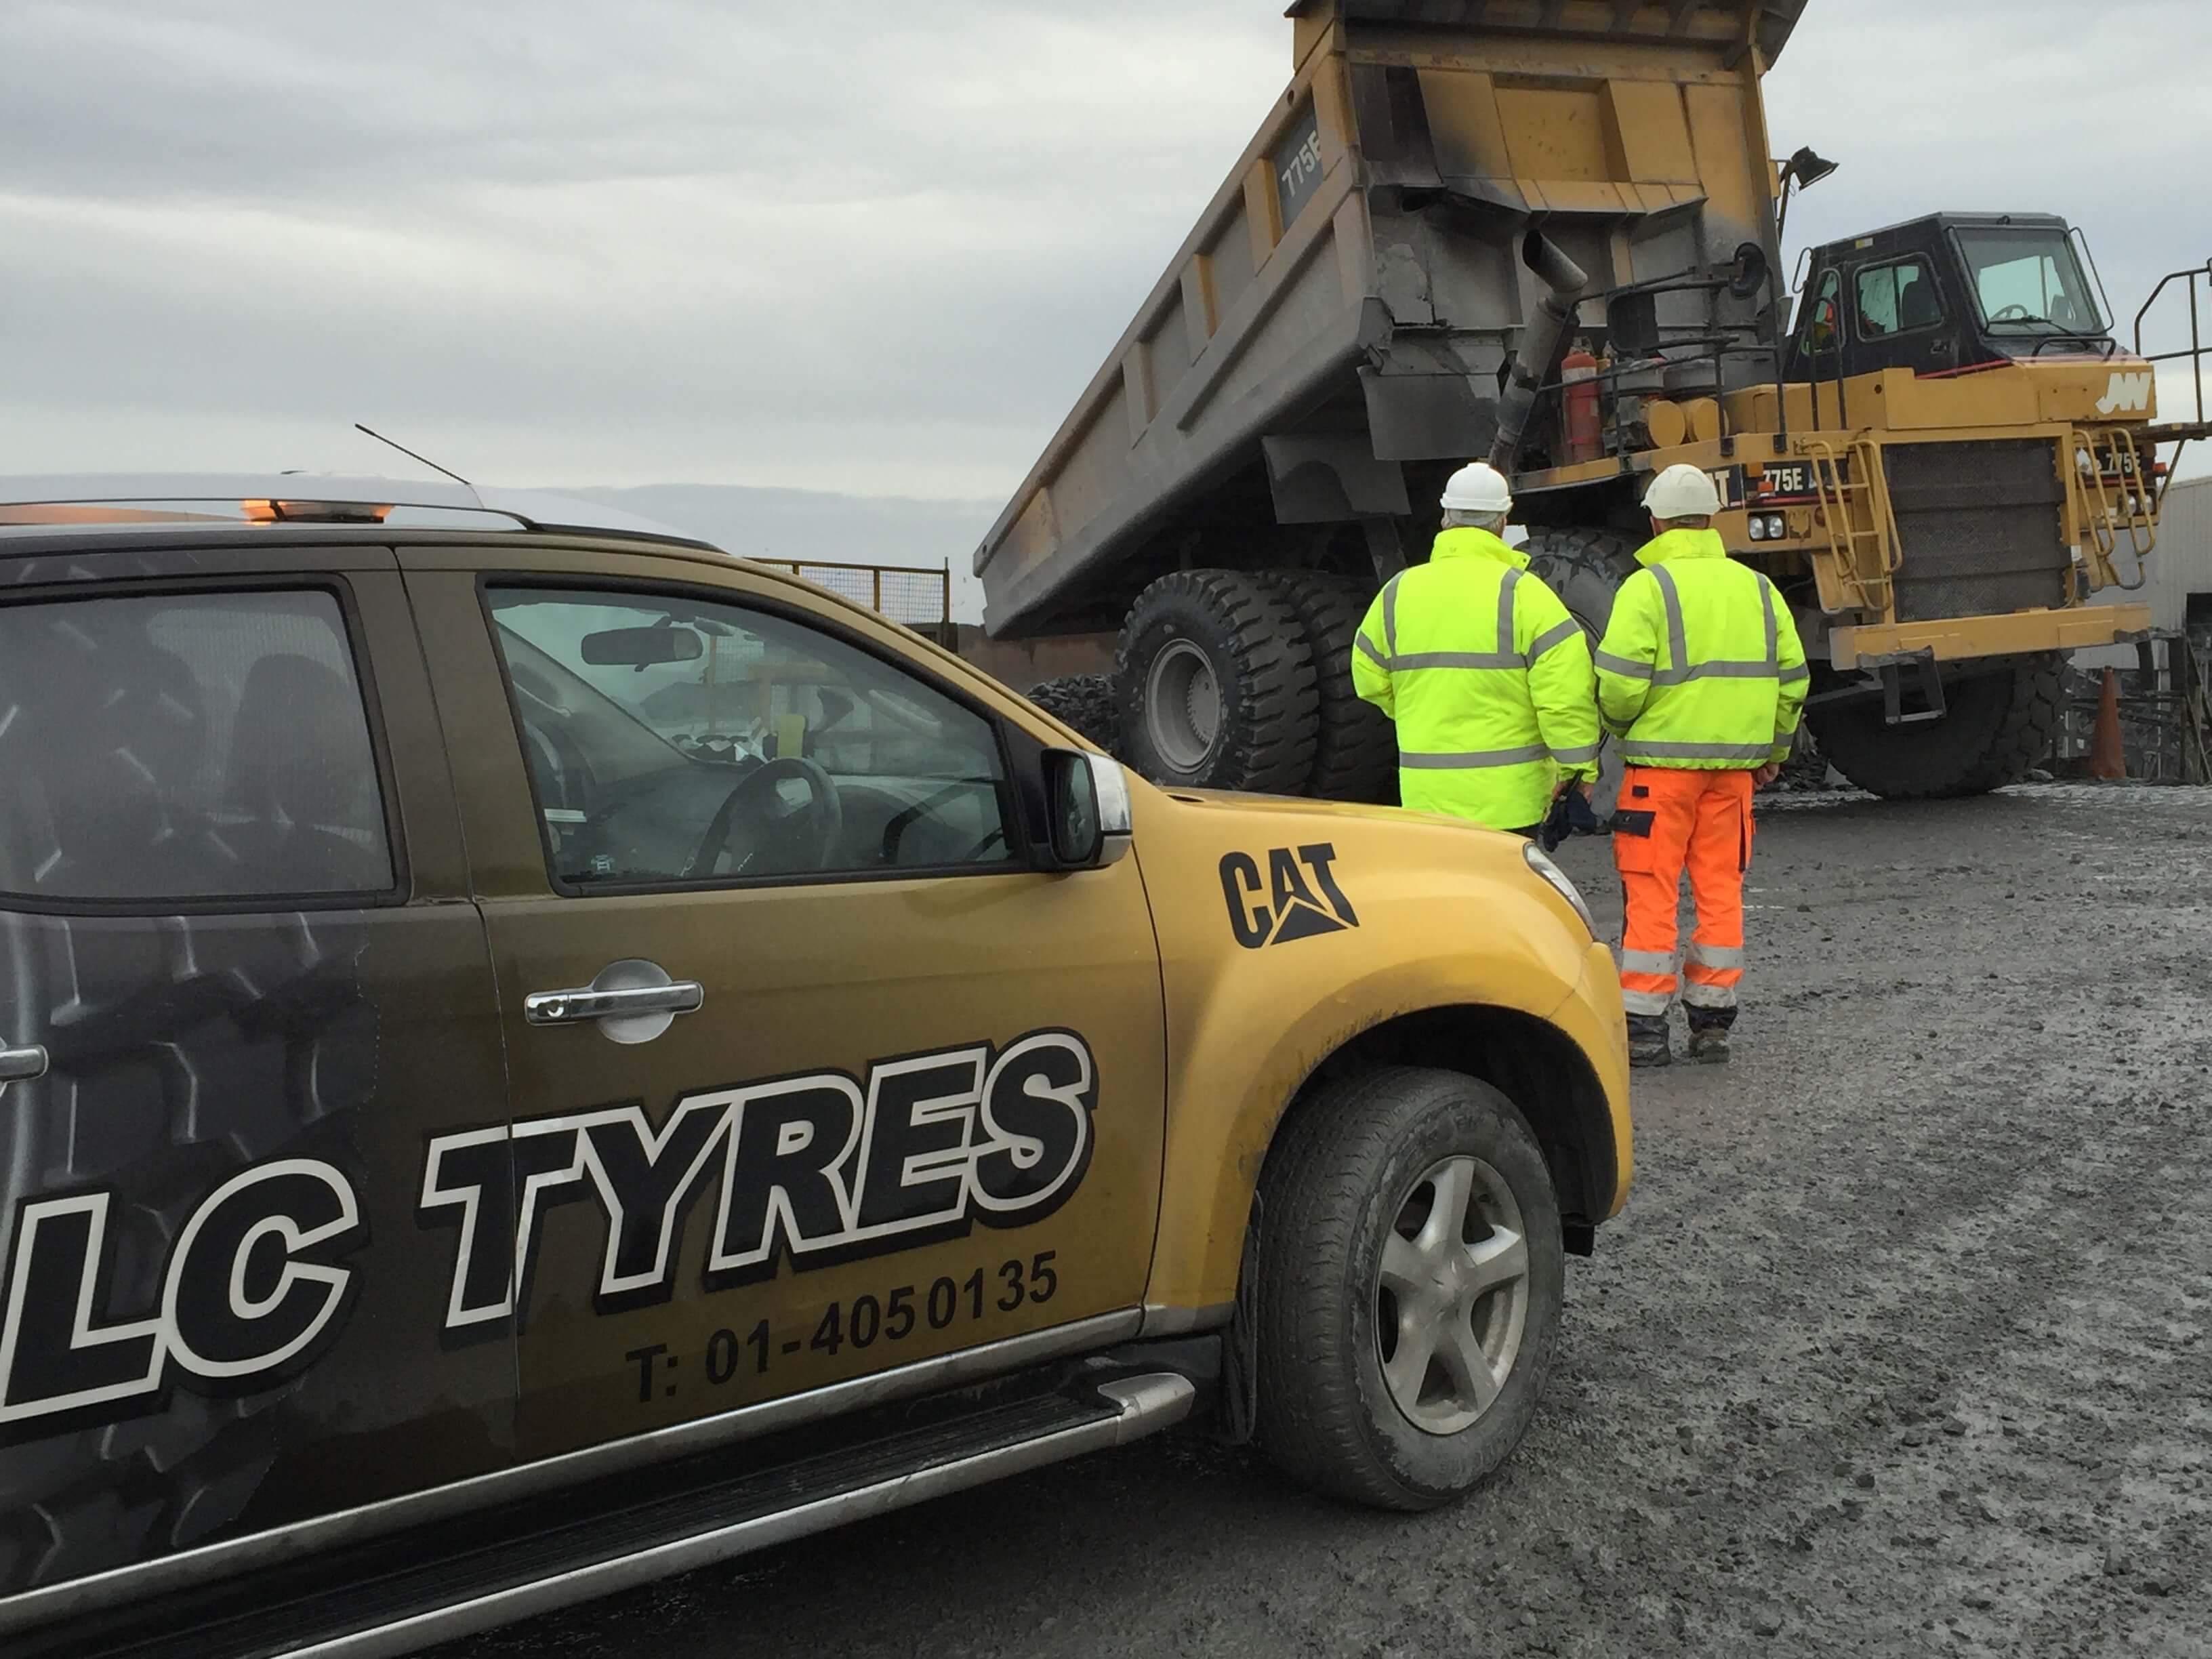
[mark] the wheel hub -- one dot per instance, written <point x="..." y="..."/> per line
<point x="1451" y="1295"/>
<point x="1182" y="706"/>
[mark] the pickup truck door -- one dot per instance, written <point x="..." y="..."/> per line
<point x="868" y="1089"/>
<point x="241" y="985"/>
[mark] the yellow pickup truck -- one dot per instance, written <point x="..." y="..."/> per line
<point x="535" y="1054"/>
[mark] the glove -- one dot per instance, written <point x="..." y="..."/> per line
<point x="1571" y="815"/>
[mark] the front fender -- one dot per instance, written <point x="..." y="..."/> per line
<point x="1286" y="930"/>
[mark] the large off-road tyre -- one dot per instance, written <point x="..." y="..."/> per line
<point x="1585" y="569"/>
<point x="1994" y="728"/>
<point x="1410" y="1273"/>
<point x="1084" y="702"/>
<point x="1214" y="684"/>
<point x="1355" y="746"/>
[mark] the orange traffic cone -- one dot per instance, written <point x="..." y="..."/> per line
<point x="2107" y="758"/>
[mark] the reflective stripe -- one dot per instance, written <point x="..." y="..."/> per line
<point x="1505" y="612"/>
<point x="1715" y="671"/>
<point x="1472" y="758"/>
<point x="1636" y="749"/>
<point x="1678" y="645"/>
<point x="1714" y="956"/>
<point x="1375" y="653"/>
<point x="1682" y="670"/>
<point x="1545" y="641"/>
<point x="1661" y="962"/>
<point x="1413" y="659"/>
<point x="1792" y="676"/>
<point x="1645" y="1002"/>
<point x="1622" y="665"/>
<point x="1390" y="613"/>
<point x="1706" y="996"/>
<point x="1576" y="756"/>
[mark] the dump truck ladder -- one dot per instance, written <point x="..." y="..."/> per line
<point x="1864" y="550"/>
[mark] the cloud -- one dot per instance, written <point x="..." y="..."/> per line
<point x="856" y="247"/>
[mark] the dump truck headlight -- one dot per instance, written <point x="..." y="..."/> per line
<point x="1758" y="528"/>
<point x="1558" y="878"/>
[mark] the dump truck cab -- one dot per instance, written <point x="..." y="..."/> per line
<point x="1949" y="293"/>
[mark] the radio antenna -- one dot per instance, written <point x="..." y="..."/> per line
<point x="412" y="456"/>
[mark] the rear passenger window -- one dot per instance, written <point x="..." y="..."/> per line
<point x="186" y="746"/>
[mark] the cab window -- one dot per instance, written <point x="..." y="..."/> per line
<point x="185" y="747"/>
<point x="1819" y="329"/>
<point x="676" y="741"/>
<point x="1897" y="299"/>
<point x="2028" y="281"/>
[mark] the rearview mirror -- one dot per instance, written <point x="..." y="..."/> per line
<point x="1089" y="798"/>
<point x="642" y="648"/>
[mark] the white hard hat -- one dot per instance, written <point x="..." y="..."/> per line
<point x="1683" y="492"/>
<point x="1480" y="487"/>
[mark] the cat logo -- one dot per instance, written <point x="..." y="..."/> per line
<point x="1298" y="898"/>
<point x="2128" y="393"/>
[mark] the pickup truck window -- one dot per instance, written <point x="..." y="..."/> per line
<point x="645" y="720"/>
<point x="186" y="746"/>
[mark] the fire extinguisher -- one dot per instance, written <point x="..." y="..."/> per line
<point x="1585" y="425"/>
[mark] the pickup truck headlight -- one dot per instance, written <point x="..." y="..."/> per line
<point x="1558" y="878"/>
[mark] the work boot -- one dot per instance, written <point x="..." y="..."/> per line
<point x="1709" y="1036"/>
<point x="1647" y="1041"/>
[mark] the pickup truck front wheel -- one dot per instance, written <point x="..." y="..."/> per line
<point x="1410" y="1281"/>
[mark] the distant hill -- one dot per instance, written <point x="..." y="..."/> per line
<point x="800" y="524"/>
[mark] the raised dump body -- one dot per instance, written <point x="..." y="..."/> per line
<point x="1332" y="334"/>
<point x="1544" y="232"/>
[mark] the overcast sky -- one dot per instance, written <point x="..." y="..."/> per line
<point x="851" y="246"/>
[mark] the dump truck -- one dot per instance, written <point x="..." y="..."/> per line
<point x="1549" y="232"/>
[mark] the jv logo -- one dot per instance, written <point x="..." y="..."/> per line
<point x="2128" y="393"/>
<point x="1297" y="898"/>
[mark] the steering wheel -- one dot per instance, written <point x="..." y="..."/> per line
<point x="825" y="813"/>
<point x="2011" y="313"/>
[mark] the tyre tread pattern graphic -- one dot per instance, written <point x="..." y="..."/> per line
<point x="183" y="1050"/>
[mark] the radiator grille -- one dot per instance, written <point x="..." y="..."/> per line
<point x="1979" y="525"/>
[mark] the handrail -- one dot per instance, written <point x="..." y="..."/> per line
<point x="2194" y="351"/>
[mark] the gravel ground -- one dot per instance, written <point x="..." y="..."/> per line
<point x="1897" y="1348"/>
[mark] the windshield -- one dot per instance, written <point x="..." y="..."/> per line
<point x="2029" y="281"/>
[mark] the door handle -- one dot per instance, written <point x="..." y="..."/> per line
<point x="575" y="1007"/>
<point x="21" y="1065"/>
<point x="629" y="1001"/>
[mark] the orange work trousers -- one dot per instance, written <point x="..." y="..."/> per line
<point x="1667" y="819"/>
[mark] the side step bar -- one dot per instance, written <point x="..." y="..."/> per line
<point x="440" y="1591"/>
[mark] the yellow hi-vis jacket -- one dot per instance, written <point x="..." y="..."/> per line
<point x="1488" y="679"/>
<point x="1700" y="668"/>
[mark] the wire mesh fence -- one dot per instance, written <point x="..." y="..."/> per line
<point x="918" y="597"/>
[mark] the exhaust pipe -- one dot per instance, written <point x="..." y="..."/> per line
<point x="1563" y="282"/>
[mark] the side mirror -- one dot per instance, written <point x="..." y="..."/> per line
<point x="1089" y="803"/>
<point x="641" y="647"/>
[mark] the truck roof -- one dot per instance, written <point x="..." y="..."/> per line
<point x="57" y="500"/>
<point x="1947" y="220"/>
